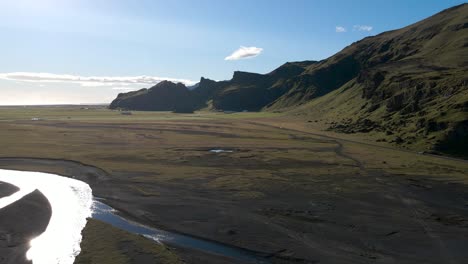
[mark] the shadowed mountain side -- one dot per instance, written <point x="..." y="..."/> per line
<point x="19" y="223"/>
<point x="410" y="84"/>
<point x="245" y="91"/>
<point x="411" y="88"/>
<point x="435" y="45"/>
<point x="165" y="96"/>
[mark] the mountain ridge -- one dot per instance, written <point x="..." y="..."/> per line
<point x="407" y="85"/>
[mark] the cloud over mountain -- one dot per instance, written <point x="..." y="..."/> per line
<point x="362" y="28"/>
<point x="340" y="29"/>
<point x="244" y="53"/>
<point x="88" y="80"/>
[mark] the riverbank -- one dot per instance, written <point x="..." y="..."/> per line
<point x="437" y="196"/>
<point x="292" y="195"/>
<point x="19" y="223"/>
<point x="104" y="244"/>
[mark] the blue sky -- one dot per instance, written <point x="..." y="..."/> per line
<point x="83" y="51"/>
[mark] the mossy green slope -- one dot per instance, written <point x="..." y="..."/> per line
<point x="411" y="87"/>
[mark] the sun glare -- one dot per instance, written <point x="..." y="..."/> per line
<point x="71" y="202"/>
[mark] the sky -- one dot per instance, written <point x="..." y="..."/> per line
<point x="88" y="51"/>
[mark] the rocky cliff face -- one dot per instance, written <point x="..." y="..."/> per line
<point x="409" y="84"/>
<point x="250" y="91"/>
<point x="245" y="91"/>
<point x="165" y="96"/>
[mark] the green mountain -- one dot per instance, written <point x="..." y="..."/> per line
<point x="407" y="86"/>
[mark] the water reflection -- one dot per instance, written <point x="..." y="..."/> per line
<point x="106" y="214"/>
<point x="71" y="202"/>
<point x="221" y="151"/>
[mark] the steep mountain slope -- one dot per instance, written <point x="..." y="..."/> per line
<point x="245" y="91"/>
<point x="436" y="44"/>
<point x="407" y="86"/>
<point x="410" y="85"/>
<point x="251" y="91"/>
<point x="164" y="96"/>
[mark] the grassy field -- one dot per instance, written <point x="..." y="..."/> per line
<point x="286" y="187"/>
<point x="104" y="244"/>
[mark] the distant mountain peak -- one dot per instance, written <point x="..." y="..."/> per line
<point x="411" y="81"/>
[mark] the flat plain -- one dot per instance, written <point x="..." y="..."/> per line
<point x="283" y="187"/>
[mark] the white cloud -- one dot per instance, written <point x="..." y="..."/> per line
<point x="244" y="53"/>
<point x="123" y="88"/>
<point x="362" y="28"/>
<point x="340" y="29"/>
<point x="88" y="80"/>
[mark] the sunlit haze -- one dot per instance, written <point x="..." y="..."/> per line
<point x="68" y="51"/>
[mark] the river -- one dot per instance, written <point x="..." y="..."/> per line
<point x="72" y="203"/>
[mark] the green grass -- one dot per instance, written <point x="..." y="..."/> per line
<point x="165" y="159"/>
<point x="102" y="114"/>
<point x="176" y="146"/>
<point x="105" y="244"/>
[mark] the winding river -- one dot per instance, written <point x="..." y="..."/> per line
<point x="72" y="203"/>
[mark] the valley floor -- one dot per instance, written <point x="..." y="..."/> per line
<point x="286" y="189"/>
